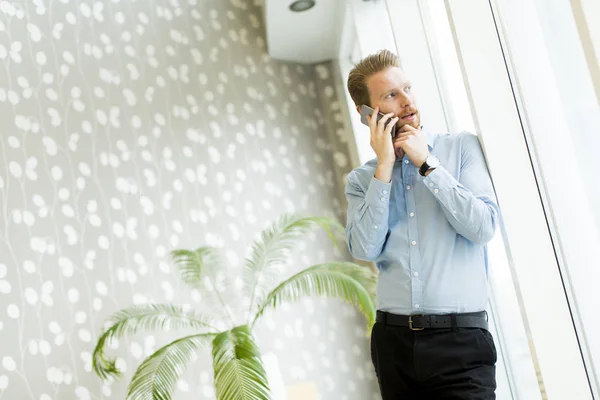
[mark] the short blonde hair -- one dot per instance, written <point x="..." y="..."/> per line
<point x="364" y="69"/>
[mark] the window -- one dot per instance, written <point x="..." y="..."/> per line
<point x="552" y="69"/>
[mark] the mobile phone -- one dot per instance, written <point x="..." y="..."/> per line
<point x="366" y="110"/>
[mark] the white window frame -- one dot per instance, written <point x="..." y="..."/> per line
<point x="553" y="71"/>
<point x="417" y="62"/>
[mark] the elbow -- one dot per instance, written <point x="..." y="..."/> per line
<point x="363" y="252"/>
<point x="485" y="233"/>
<point x="483" y="237"/>
<point x="365" y="255"/>
<point x="487" y="228"/>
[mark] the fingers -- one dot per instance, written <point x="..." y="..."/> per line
<point x="373" y="119"/>
<point x="406" y="131"/>
<point x="402" y="137"/>
<point x="407" y="128"/>
<point x="381" y="124"/>
<point x="390" y="126"/>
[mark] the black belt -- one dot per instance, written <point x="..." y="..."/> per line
<point x="419" y="322"/>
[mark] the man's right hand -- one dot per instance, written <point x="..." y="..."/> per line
<point x="381" y="142"/>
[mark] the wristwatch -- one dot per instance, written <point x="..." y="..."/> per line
<point x="431" y="162"/>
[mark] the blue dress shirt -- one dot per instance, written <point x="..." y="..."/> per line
<point x="427" y="235"/>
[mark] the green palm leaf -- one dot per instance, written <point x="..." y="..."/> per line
<point x="157" y="375"/>
<point x="238" y="368"/>
<point x="194" y="265"/>
<point x="274" y="245"/>
<point x="197" y="265"/>
<point x="142" y="318"/>
<point x="348" y="281"/>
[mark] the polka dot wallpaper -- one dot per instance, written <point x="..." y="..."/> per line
<point x="133" y="127"/>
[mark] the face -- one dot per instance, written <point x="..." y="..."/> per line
<point x="391" y="91"/>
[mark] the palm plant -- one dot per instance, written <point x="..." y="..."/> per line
<point x="238" y="369"/>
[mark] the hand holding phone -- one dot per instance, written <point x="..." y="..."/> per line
<point x="365" y="111"/>
<point x="381" y="134"/>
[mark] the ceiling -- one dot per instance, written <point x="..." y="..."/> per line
<point x="308" y="37"/>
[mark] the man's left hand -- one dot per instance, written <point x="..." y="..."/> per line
<point x="414" y="143"/>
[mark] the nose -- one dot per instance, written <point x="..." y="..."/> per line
<point x="405" y="100"/>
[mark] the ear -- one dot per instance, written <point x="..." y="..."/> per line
<point x="358" y="109"/>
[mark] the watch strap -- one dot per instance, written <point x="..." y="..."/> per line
<point x="424" y="168"/>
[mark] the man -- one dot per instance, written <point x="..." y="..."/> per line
<point x="424" y="211"/>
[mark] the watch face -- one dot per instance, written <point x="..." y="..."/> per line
<point x="433" y="162"/>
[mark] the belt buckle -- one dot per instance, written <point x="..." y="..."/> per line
<point x="410" y="322"/>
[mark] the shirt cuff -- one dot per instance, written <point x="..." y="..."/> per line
<point x="440" y="180"/>
<point x="378" y="194"/>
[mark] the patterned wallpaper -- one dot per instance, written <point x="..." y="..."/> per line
<point x="129" y="128"/>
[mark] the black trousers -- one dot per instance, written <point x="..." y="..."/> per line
<point x="434" y="364"/>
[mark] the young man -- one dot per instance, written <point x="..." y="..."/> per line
<point x="424" y="211"/>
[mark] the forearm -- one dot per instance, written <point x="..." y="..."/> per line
<point x="383" y="172"/>
<point x="473" y="217"/>
<point x="368" y="220"/>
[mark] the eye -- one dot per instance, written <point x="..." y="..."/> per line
<point x="408" y="88"/>
<point x="392" y="94"/>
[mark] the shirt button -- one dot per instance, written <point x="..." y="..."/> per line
<point x="414" y="243"/>
<point x="431" y="185"/>
<point x="417" y="305"/>
<point x="408" y="187"/>
<point x="406" y="161"/>
<point x="436" y="191"/>
<point x="385" y="191"/>
<point x="416" y="274"/>
<point x="412" y="214"/>
<point x="383" y="199"/>
<point x="376" y="227"/>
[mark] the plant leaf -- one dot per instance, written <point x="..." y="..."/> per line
<point x="195" y="264"/>
<point x="347" y="281"/>
<point x="199" y="268"/>
<point x="142" y="318"/>
<point x="238" y="368"/>
<point x="156" y="377"/>
<point x="274" y="246"/>
<point x="335" y="230"/>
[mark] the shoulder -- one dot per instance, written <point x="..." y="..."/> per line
<point x="459" y="143"/>
<point x="468" y="139"/>
<point x="461" y="139"/>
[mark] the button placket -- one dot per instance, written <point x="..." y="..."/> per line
<point x="414" y="267"/>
